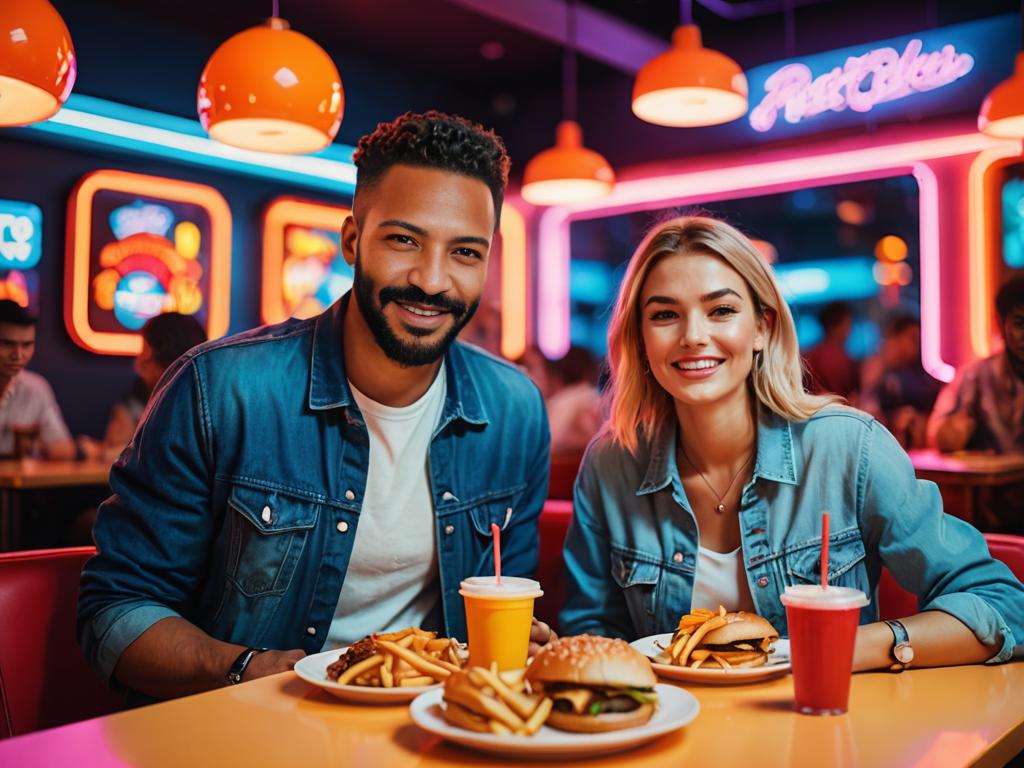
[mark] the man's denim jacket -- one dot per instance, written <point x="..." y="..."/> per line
<point x="237" y="501"/>
<point x="631" y="552"/>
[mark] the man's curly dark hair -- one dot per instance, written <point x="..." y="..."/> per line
<point x="434" y="140"/>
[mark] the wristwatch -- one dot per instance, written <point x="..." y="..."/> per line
<point x="240" y="664"/>
<point x="902" y="650"/>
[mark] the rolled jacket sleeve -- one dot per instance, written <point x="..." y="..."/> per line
<point x="940" y="558"/>
<point x="154" y="533"/>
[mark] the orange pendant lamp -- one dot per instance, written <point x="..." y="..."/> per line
<point x="1002" y="112"/>
<point x="689" y="85"/>
<point x="271" y="89"/>
<point x="37" y="62"/>
<point x="567" y="172"/>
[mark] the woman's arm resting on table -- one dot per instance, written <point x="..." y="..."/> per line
<point x="937" y="638"/>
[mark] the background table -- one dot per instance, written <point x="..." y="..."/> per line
<point x="32" y="474"/>
<point x="926" y="717"/>
<point x="968" y="472"/>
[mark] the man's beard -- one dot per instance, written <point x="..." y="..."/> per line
<point x="407" y="354"/>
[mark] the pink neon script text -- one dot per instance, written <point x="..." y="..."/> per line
<point x="792" y="90"/>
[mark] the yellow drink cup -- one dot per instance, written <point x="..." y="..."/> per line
<point x="498" y="619"/>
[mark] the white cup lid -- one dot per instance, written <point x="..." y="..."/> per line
<point x="511" y="586"/>
<point x="829" y="599"/>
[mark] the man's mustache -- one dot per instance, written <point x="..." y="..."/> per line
<point x="414" y="295"/>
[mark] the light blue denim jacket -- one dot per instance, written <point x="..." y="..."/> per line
<point x="237" y="501"/>
<point x="631" y="551"/>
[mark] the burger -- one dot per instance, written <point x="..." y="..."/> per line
<point x="744" y="641"/>
<point x="596" y="684"/>
<point x="725" y="640"/>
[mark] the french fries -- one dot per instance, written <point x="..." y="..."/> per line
<point x="684" y="650"/>
<point x="487" y="701"/>
<point x="403" y="659"/>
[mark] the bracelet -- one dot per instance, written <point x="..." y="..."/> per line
<point x="234" y="675"/>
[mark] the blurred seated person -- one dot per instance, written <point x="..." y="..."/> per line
<point x="898" y="391"/>
<point x="30" y="419"/>
<point x="533" y="363"/>
<point x="574" y="409"/>
<point x="830" y="366"/>
<point x="982" y="409"/>
<point x="165" y="338"/>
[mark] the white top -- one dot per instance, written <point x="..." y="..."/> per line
<point x="28" y="401"/>
<point x="392" y="577"/>
<point x="721" y="580"/>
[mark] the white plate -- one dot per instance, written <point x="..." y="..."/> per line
<point x="676" y="708"/>
<point x="313" y="669"/>
<point x="776" y="666"/>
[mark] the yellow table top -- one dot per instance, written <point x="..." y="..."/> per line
<point x="926" y="717"/>
<point x="37" y="473"/>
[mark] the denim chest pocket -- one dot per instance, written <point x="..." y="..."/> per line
<point x="638" y="580"/>
<point x="498" y="508"/>
<point x="845" y="553"/>
<point x="268" y="533"/>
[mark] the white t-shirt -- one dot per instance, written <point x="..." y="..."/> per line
<point x="28" y="401"/>
<point x="721" y="580"/>
<point x="392" y="577"/>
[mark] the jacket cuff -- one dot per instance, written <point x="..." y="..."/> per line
<point x="113" y="630"/>
<point x="981" y="618"/>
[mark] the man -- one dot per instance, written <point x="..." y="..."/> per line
<point x="29" y="413"/>
<point x="983" y="408"/>
<point x="301" y="485"/>
<point x="831" y="367"/>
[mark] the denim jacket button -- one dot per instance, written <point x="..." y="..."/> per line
<point x="266" y="515"/>
<point x="350" y="495"/>
<point x="449" y="530"/>
<point x="448" y="496"/>
<point x="310" y="631"/>
<point x="763" y="581"/>
<point x="678" y="557"/>
<point x="342" y="527"/>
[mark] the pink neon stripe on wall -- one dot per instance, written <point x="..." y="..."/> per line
<point x="792" y="170"/>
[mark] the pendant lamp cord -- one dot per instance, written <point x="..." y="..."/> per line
<point x="569" y="63"/>
<point x="277" y="9"/>
<point x="686" y="12"/>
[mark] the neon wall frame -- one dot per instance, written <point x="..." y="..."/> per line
<point x="781" y="172"/>
<point x="79" y="243"/>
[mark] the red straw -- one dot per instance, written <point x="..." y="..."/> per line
<point x="824" y="550"/>
<point x="496" y="532"/>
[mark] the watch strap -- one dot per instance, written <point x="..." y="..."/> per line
<point x="237" y="670"/>
<point x="900" y="637"/>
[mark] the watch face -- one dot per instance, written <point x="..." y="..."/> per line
<point x="904" y="653"/>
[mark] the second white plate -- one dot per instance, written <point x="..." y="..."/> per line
<point x="776" y="666"/>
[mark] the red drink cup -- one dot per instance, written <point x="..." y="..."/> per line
<point x="822" y="631"/>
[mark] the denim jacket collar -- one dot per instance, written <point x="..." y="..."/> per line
<point x="328" y="384"/>
<point x="774" y="453"/>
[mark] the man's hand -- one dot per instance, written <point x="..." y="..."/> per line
<point x="540" y="634"/>
<point x="955" y="431"/>
<point x="270" y="663"/>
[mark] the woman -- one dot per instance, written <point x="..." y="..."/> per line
<point x="707" y="484"/>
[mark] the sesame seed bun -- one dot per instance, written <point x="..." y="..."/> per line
<point x="591" y="660"/>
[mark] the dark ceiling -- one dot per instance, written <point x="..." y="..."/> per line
<point x="417" y="54"/>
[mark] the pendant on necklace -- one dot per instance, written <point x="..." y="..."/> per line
<point x="721" y="508"/>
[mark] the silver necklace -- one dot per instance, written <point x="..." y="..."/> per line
<point x="721" y="507"/>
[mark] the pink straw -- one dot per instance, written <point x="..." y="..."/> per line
<point x="824" y="550"/>
<point x="496" y="532"/>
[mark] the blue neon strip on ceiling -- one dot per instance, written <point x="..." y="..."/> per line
<point x="89" y="121"/>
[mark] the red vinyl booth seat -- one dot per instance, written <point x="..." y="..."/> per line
<point x="894" y="602"/>
<point x="44" y="681"/>
<point x="554" y="524"/>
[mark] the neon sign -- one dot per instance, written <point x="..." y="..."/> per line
<point x="21" y="234"/>
<point x="875" y="77"/>
<point x="139" y="246"/>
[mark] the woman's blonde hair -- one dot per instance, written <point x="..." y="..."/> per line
<point x="638" y="406"/>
